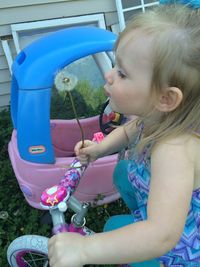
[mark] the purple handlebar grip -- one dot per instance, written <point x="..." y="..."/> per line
<point x="72" y="176"/>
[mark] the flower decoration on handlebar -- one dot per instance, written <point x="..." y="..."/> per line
<point x="51" y="197"/>
<point x="54" y="195"/>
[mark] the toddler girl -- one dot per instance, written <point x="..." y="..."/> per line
<point x="157" y="78"/>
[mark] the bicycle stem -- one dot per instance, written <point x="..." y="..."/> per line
<point x="58" y="219"/>
<point x="78" y="219"/>
<point x="74" y="204"/>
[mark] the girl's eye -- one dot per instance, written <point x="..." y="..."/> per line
<point x="121" y="74"/>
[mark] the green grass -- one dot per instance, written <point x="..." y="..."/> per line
<point x="16" y="216"/>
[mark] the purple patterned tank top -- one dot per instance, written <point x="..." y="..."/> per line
<point x="187" y="251"/>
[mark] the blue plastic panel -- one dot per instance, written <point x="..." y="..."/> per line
<point x="36" y="66"/>
<point x="33" y="127"/>
<point x="34" y="70"/>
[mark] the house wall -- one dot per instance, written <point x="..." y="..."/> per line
<point x="19" y="11"/>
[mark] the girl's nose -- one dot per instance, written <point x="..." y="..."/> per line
<point x="109" y="77"/>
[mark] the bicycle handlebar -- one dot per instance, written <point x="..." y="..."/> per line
<point x="56" y="194"/>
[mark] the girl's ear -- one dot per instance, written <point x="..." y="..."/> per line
<point x="169" y="99"/>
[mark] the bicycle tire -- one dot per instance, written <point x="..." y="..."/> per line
<point x="28" y="246"/>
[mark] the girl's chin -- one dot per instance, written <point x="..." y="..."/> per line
<point x="114" y="108"/>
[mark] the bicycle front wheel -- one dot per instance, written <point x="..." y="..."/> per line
<point x="28" y="251"/>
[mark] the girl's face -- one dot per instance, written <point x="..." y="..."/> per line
<point x="128" y="83"/>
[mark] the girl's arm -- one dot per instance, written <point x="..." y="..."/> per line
<point x="168" y="204"/>
<point x="117" y="139"/>
<point x="112" y="143"/>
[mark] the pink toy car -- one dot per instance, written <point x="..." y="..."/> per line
<point x="34" y="178"/>
<point x="40" y="148"/>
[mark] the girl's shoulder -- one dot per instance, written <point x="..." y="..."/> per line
<point x="188" y="142"/>
<point x="184" y="147"/>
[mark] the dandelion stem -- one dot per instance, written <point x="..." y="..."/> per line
<point x="76" y="116"/>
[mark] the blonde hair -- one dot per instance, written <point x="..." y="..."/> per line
<point x="176" y="62"/>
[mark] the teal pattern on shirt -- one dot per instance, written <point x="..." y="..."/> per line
<point x="187" y="251"/>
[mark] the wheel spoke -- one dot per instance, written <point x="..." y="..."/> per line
<point x="28" y="251"/>
<point x="31" y="258"/>
<point x="34" y="260"/>
<point x="44" y="257"/>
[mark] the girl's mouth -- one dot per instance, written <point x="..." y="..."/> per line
<point x="106" y="91"/>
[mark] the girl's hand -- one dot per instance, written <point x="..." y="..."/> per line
<point x="89" y="153"/>
<point x="66" y="250"/>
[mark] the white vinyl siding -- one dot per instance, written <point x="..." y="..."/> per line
<point x="42" y="10"/>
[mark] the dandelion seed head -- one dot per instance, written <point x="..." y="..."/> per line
<point x="65" y="81"/>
